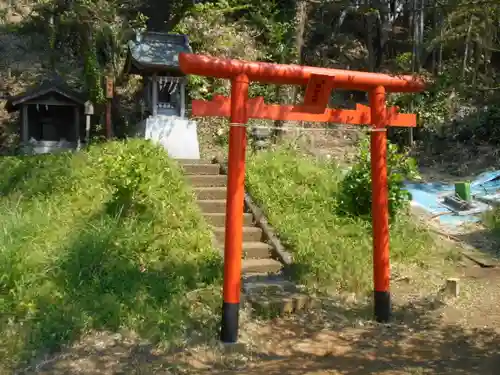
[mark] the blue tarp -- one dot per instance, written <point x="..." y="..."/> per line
<point x="429" y="196"/>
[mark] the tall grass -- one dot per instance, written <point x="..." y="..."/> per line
<point x="105" y="239"/>
<point x="299" y="195"/>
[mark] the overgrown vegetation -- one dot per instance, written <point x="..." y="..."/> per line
<point x="454" y="43"/>
<point x="107" y="239"/>
<point x="300" y="196"/>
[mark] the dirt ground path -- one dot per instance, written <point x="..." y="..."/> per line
<point x="431" y="333"/>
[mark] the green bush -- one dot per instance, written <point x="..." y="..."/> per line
<point x="355" y="196"/>
<point x="104" y="239"/>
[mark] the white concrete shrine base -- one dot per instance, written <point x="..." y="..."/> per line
<point x="178" y="136"/>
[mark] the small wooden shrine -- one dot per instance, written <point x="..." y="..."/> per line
<point x="51" y="114"/>
<point x="155" y="56"/>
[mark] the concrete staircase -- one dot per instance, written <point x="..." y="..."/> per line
<point x="265" y="288"/>
<point x="210" y="187"/>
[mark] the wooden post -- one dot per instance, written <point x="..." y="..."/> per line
<point x="183" y="98"/>
<point x="109" y="97"/>
<point x="25" y="125"/>
<point x="77" y="126"/>
<point x="154" y="93"/>
<point x="89" y="111"/>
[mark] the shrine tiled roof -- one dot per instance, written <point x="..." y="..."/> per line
<point x="155" y="51"/>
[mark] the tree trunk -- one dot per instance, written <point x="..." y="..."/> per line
<point x="477" y="62"/>
<point x="434" y="29"/>
<point x="467" y="48"/>
<point x="418" y="34"/>
<point x="300" y="22"/>
<point x="440" y="51"/>
<point x="369" y="42"/>
<point x="300" y="19"/>
<point x="421" y="35"/>
<point x="414" y="33"/>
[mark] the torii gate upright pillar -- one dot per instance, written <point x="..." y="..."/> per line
<point x="234" y="209"/>
<point x="380" y="205"/>
<point x="319" y="82"/>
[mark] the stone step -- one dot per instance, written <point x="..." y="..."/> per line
<point x="207" y="180"/>
<point x="272" y="295"/>
<point x="219" y="219"/>
<point x="201" y="169"/>
<point x="263" y="284"/>
<point x="250" y="234"/>
<point x="277" y="303"/>
<point x="251" y="249"/>
<point x="193" y="161"/>
<point x="256" y="250"/>
<point x="212" y="205"/>
<point x="218" y="192"/>
<point x="260" y="266"/>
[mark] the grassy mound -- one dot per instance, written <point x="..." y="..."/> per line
<point x="106" y="239"/>
<point x="299" y="195"/>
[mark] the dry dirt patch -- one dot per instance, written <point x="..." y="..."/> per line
<point x="431" y="333"/>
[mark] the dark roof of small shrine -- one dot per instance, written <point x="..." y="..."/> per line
<point x="156" y="52"/>
<point x="47" y="86"/>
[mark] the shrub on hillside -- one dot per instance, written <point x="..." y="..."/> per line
<point x="355" y="196"/>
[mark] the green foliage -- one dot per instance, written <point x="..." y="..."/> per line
<point x="93" y="31"/>
<point x="277" y="29"/>
<point x="447" y="110"/>
<point x="212" y="31"/>
<point x="433" y="106"/>
<point x="488" y="128"/>
<point x="404" y="61"/>
<point x="299" y="196"/>
<point x="481" y="126"/>
<point x="236" y="29"/>
<point x="268" y="92"/>
<point x="105" y="239"/>
<point x="92" y="74"/>
<point x="355" y="189"/>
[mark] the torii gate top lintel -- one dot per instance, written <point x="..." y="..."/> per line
<point x="295" y="74"/>
<point x="319" y="81"/>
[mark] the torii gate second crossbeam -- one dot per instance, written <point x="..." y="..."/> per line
<point x="319" y="83"/>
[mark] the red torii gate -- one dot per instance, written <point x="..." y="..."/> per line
<point x="320" y="82"/>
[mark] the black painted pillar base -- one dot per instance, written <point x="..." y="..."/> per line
<point x="230" y="318"/>
<point x="382" y="302"/>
